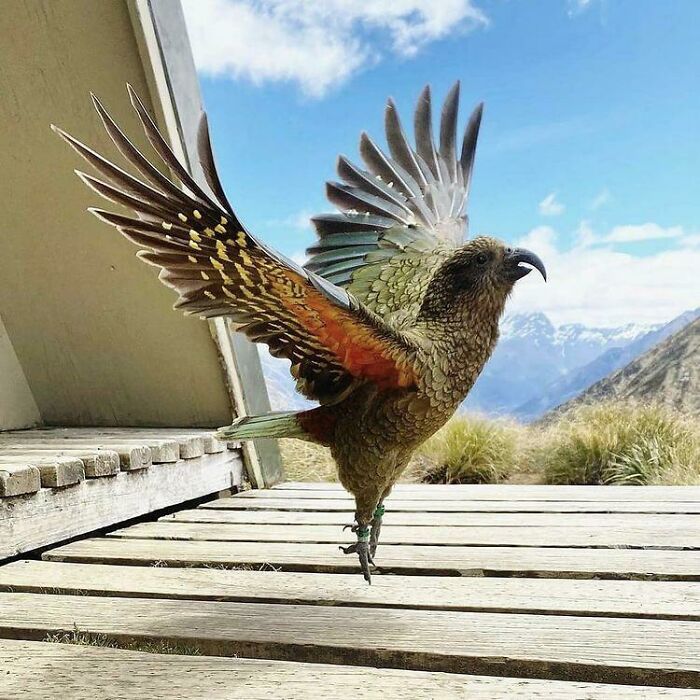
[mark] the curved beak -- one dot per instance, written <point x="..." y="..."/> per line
<point x="513" y="264"/>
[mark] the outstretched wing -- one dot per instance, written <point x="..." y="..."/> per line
<point x="402" y="216"/>
<point x="219" y="269"/>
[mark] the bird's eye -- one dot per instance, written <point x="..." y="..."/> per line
<point x="482" y="259"/>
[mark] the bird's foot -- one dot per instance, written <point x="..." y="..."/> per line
<point x="376" y="529"/>
<point x="361" y="548"/>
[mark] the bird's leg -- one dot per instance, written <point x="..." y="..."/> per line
<point x="361" y="547"/>
<point x="376" y="529"/>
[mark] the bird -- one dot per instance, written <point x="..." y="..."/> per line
<point x="387" y="325"/>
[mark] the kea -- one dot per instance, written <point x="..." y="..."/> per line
<point x="387" y="325"/>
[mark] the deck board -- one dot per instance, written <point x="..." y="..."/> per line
<point x="655" y="599"/>
<point x="639" y="537"/>
<point x="38" y="670"/>
<point x="270" y="501"/>
<point x="455" y="561"/>
<point x="656" y="652"/>
<point x="507" y="585"/>
<point x="504" y="492"/>
<point x="492" y="520"/>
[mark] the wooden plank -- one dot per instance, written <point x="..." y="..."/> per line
<point x="37" y="670"/>
<point x="501" y="492"/>
<point x="186" y="437"/>
<point x="655" y="652"/>
<point x="18" y="479"/>
<point x="51" y="516"/>
<point x="641" y="599"/>
<point x="466" y="561"/>
<point x="494" y="520"/>
<point x="182" y="435"/>
<point x="639" y="537"/>
<point x="133" y="454"/>
<point x="97" y="463"/>
<point x="445" y="506"/>
<point x="55" y="472"/>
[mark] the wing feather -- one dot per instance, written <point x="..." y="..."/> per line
<point x="410" y="206"/>
<point x="219" y="269"/>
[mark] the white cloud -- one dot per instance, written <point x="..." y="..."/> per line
<point x="600" y="286"/>
<point x="317" y="45"/>
<point x="550" y="207"/>
<point x="576" y="7"/>
<point x="601" y="199"/>
<point x="299" y="257"/>
<point x="642" y="232"/>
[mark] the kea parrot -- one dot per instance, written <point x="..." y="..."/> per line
<point x="387" y="325"/>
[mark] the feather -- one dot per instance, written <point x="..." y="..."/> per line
<point x="448" y="130"/>
<point x="163" y="150"/>
<point x="331" y="224"/>
<point x="133" y="155"/>
<point x="423" y="128"/>
<point x="471" y="135"/>
<point x="352" y="175"/>
<point x="382" y="166"/>
<point x="350" y="198"/>
<point x="206" y="159"/>
<point x="399" y="147"/>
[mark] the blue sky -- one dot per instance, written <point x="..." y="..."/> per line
<point x="589" y="148"/>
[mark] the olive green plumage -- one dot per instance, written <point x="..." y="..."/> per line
<point x="389" y="323"/>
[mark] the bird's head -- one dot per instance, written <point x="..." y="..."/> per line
<point x="479" y="276"/>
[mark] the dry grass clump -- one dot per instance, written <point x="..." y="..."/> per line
<point x="306" y="461"/>
<point x="470" y="449"/>
<point x="617" y="442"/>
<point x="613" y="442"/>
<point x="94" y="639"/>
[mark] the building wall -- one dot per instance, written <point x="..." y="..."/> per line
<point x="92" y="328"/>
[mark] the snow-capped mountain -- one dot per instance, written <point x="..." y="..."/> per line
<point x="533" y="353"/>
<point x="624" y="351"/>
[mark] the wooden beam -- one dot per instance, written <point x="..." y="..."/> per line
<point x="499" y="492"/>
<point x="459" y="520"/>
<point x="640" y="599"/>
<point x="639" y="651"/>
<point x="437" y="505"/>
<point x="551" y="562"/>
<point x="18" y="479"/>
<point x="54" y="515"/>
<point x="633" y="537"/>
<point x="37" y="670"/>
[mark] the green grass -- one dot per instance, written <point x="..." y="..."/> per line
<point x="604" y="443"/>
<point x="620" y="443"/>
<point x="470" y="450"/>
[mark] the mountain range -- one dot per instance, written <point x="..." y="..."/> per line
<point x="535" y="367"/>
<point x="669" y="373"/>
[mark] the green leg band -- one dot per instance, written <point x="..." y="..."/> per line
<point x="379" y="511"/>
<point x="363" y="534"/>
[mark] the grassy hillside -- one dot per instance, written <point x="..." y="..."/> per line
<point x="669" y="373"/>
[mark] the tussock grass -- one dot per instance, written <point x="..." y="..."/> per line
<point x="470" y="449"/>
<point x="620" y="443"/>
<point x="612" y="442"/>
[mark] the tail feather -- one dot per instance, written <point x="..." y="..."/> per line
<point x="283" y="424"/>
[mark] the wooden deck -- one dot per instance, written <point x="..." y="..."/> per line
<point x="480" y="592"/>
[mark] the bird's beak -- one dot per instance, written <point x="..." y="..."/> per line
<point x="515" y="270"/>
